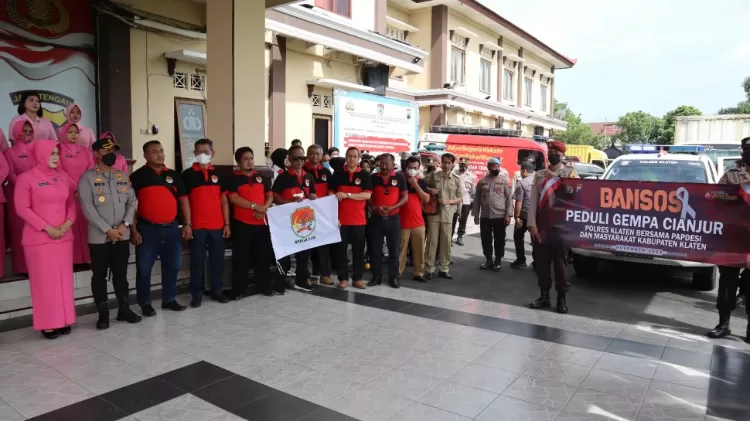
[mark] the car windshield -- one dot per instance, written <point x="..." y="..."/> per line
<point x="658" y="169"/>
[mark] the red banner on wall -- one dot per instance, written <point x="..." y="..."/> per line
<point x="693" y="222"/>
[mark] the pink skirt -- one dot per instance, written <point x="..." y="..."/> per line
<point x="81" y="238"/>
<point x="15" y="233"/>
<point x="51" y="281"/>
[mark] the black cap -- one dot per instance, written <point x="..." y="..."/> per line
<point x="528" y="166"/>
<point x="105" y="143"/>
<point x="745" y="142"/>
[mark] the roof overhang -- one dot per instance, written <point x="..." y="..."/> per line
<point x="456" y="99"/>
<point x="339" y="84"/>
<point x="187" y="56"/>
<point x="308" y="25"/>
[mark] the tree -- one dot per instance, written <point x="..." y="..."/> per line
<point x="578" y="132"/>
<point x="743" y="107"/>
<point x="639" y="127"/>
<point x="666" y="135"/>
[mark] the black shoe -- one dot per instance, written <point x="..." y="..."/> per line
<point x="304" y="286"/>
<point x="196" y="303"/>
<point x="460" y="240"/>
<point x="148" y="310"/>
<point x="486" y="265"/>
<point x="64" y="330"/>
<point x="445" y="275"/>
<point x="741" y="300"/>
<point x="375" y="282"/>
<point x="52" y="334"/>
<point x="428" y="276"/>
<point x="220" y="298"/>
<point x="518" y="265"/>
<point x="173" y="305"/>
<point x="721" y="330"/>
<point x="103" y="321"/>
<point x="280" y="292"/>
<point x="394" y="283"/>
<point x="541" y="302"/>
<point x="562" y="303"/>
<point x="125" y="314"/>
<point x="747" y="335"/>
<point x="419" y="279"/>
<point x="268" y="293"/>
<point x="496" y="266"/>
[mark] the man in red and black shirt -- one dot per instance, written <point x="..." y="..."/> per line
<point x="412" y="221"/>
<point x="251" y="196"/>
<point x="388" y="196"/>
<point x="155" y="231"/>
<point x="296" y="185"/>
<point x="321" y="256"/>
<point x="353" y="189"/>
<point x="210" y="211"/>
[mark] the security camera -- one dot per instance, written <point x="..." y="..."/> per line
<point x="154" y="129"/>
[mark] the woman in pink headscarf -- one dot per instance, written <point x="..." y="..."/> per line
<point x="76" y="159"/>
<point x="74" y="114"/>
<point x="19" y="160"/>
<point x="3" y="140"/>
<point x="44" y="199"/>
<point x="120" y="163"/>
<point x="3" y="176"/>
<point x="30" y="109"/>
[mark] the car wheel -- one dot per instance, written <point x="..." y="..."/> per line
<point x="704" y="279"/>
<point x="584" y="267"/>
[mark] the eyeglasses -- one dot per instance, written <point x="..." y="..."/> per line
<point x="297" y="158"/>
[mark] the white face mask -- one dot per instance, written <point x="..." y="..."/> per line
<point x="412" y="172"/>
<point x="203" y="158"/>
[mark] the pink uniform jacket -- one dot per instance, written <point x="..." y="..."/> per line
<point x="43" y="128"/>
<point x="87" y="135"/>
<point x="75" y="158"/>
<point x="44" y="197"/>
<point x="4" y="140"/>
<point x="4" y="170"/>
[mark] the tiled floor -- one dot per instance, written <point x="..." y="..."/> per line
<point x="381" y="355"/>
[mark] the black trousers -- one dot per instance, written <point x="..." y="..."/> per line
<point x="109" y="257"/>
<point x="321" y="260"/>
<point x="388" y="229"/>
<point x="519" y="234"/>
<point x="726" y="298"/>
<point x="461" y="220"/>
<point x="251" y="240"/>
<point x="353" y="235"/>
<point x="489" y="230"/>
<point x="745" y="282"/>
<point x="302" y="270"/>
<point x="552" y="257"/>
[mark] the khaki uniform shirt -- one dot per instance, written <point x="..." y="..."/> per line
<point x="734" y="176"/>
<point x="449" y="188"/>
<point x="536" y="189"/>
<point x="107" y="200"/>
<point x="494" y="198"/>
<point x="469" y="180"/>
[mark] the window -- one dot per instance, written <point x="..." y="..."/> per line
<point x="508" y="84"/>
<point x="527" y="83"/>
<point x="339" y="7"/>
<point x="486" y="72"/>
<point x="543" y="92"/>
<point x="457" y="65"/>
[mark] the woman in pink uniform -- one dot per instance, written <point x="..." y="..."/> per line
<point x="44" y="199"/>
<point x="3" y="175"/>
<point x="19" y="160"/>
<point x="120" y="163"/>
<point x="74" y="114"/>
<point x="3" y="140"/>
<point x="75" y="159"/>
<point x="30" y="109"/>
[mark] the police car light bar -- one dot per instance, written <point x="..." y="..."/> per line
<point x="667" y="148"/>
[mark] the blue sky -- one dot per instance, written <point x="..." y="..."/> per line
<point x="649" y="55"/>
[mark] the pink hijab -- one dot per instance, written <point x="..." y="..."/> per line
<point x="17" y="137"/>
<point x="73" y="148"/>
<point x="87" y="135"/>
<point x="41" y="150"/>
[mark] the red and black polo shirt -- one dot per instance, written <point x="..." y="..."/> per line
<point x="205" y="189"/>
<point x="351" y="212"/>
<point x="387" y="190"/>
<point x="252" y="187"/>
<point x="321" y="176"/>
<point x="289" y="183"/>
<point x="411" y="213"/>
<point x="158" y="193"/>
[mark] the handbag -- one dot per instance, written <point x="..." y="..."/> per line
<point x="432" y="206"/>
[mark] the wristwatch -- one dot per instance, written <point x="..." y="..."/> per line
<point x="126" y="223"/>
<point x="349" y="195"/>
<point x="252" y="206"/>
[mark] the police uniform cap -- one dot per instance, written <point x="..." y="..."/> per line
<point x="528" y="166"/>
<point x="463" y="160"/>
<point x="557" y="145"/>
<point x="105" y="143"/>
<point x="745" y="142"/>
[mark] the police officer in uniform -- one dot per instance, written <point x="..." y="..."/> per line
<point x="109" y="204"/>
<point x="492" y="209"/>
<point x="729" y="277"/>
<point x="551" y="251"/>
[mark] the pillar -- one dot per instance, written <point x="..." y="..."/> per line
<point x="277" y="94"/>
<point x="552" y="94"/>
<point x="114" y="91"/>
<point x="235" y="76"/>
<point x="381" y="12"/>
<point x="439" y="47"/>
<point x="500" y="71"/>
<point x="521" y="76"/>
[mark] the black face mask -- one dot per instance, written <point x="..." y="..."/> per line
<point x="109" y="159"/>
<point x="462" y="167"/>
<point x="495" y="173"/>
<point x="554" y="159"/>
<point x="746" y="157"/>
<point x="429" y="169"/>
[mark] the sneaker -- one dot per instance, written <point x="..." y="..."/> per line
<point x="304" y="286"/>
<point x="326" y="280"/>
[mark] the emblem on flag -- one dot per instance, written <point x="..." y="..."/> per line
<point x="303" y="222"/>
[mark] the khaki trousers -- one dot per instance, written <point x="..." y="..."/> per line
<point x="438" y="233"/>
<point x="415" y="238"/>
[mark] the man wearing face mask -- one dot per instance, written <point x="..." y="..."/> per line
<point x="550" y="249"/>
<point x="729" y="277"/>
<point x="447" y="186"/>
<point x="492" y="209"/>
<point x="469" y="180"/>
<point x="108" y="203"/>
